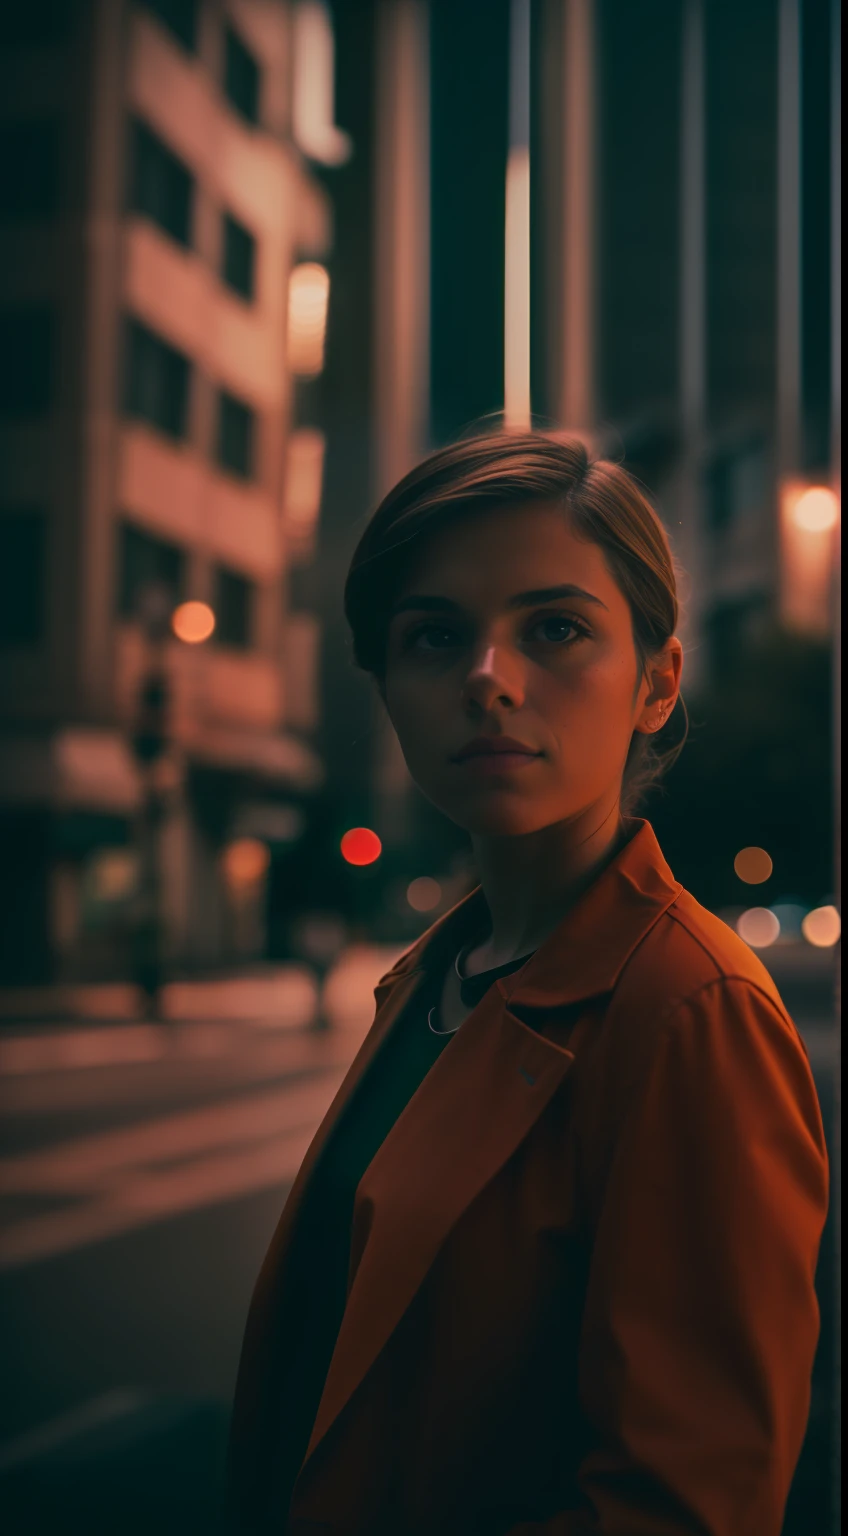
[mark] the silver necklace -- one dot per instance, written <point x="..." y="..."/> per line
<point x="433" y="1010"/>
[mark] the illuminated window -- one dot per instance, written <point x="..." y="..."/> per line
<point x="239" y="257"/>
<point x="145" y="561"/>
<point x="236" y="432"/>
<point x="21" y="577"/>
<point x="27" y="347"/>
<point x="309" y="292"/>
<point x="180" y="17"/>
<point x="303" y="480"/>
<point x="233" y="604"/>
<point x="156" y="382"/>
<point x="161" y="186"/>
<point x="313" y="127"/>
<point x="241" y="77"/>
<point x="29" y="168"/>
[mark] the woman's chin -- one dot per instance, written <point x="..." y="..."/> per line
<point x="500" y="819"/>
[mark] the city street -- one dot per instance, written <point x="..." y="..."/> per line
<point x="143" y="1169"/>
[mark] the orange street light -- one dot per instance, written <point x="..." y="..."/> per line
<point x="193" y="622"/>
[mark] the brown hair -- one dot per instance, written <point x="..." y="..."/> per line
<point x="604" y="505"/>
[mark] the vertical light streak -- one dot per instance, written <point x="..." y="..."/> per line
<point x="577" y="341"/>
<point x="517" y="408"/>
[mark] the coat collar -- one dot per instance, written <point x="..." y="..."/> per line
<point x="447" y="1138"/>
<point x="585" y="954"/>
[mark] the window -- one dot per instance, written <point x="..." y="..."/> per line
<point x="239" y="257"/>
<point x="241" y="78"/>
<point x="156" y="381"/>
<point x="144" y="561"/>
<point x="235" y="436"/>
<point x="27" y="346"/>
<point x="29" y="168"/>
<point x="21" y="577"/>
<point x="180" y="17"/>
<point x="233" y="609"/>
<point x="161" y="186"/>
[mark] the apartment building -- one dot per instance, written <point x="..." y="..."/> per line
<point x="162" y="238"/>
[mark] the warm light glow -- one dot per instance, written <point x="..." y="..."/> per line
<point x="423" y="894"/>
<point x="304" y="474"/>
<point x="822" y="927"/>
<point x="114" y="873"/>
<point x="808" y="516"/>
<point x="758" y="927"/>
<point x="517" y="291"/>
<point x="309" y="291"/>
<point x="817" y="510"/>
<point x="245" y="861"/>
<point x="193" y="622"/>
<point x="312" y="87"/>
<point x="753" y="865"/>
<point x="360" y="846"/>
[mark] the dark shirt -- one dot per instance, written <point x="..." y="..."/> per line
<point x="324" y="1230"/>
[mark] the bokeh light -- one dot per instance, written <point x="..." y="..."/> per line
<point x="790" y="915"/>
<point x="114" y="873"/>
<point x="309" y="292"/>
<point x="360" y="846"/>
<point x="193" y="622"/>
<point x="423" y="894"/>
<point x="753" y="865"/>
<point x="817" y="511"/>
<point x="245" y="861"/>
<point x="758" y="927"/>
<point x="822" y="927"/>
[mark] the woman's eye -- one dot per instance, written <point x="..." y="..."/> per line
<point x="555" y="621"/>
<point x="559" y="619"/>
<point x="425" y="629"/>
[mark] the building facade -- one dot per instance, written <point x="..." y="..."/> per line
<point x="161" y="228"/>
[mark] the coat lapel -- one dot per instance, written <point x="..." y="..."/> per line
<point x="449" y="1144"/>
<point x="480" y="1098"/>
<point x="265" y="1345"/>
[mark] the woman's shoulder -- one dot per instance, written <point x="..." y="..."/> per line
<point x="690" y="950"/>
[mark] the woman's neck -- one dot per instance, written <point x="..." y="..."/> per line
<point x="531" y="882"/>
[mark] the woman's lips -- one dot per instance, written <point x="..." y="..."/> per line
<point x="498" y="762"/>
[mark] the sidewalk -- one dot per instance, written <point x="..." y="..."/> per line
<point x="49" y="1029"/>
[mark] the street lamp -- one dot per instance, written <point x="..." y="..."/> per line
<point x="152" y="743"/>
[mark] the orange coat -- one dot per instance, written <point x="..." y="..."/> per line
<point x="581" y="1290"/>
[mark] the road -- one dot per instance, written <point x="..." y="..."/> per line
<point x="142" y="1171"/>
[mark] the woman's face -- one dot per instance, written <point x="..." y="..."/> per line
<point x="465" y="658"/>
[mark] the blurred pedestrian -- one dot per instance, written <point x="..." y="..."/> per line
<point x="320" y="936"/>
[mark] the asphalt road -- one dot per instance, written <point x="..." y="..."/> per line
<point x="137" y="1199"/>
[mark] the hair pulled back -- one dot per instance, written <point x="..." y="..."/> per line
<point x="603" y="504"/>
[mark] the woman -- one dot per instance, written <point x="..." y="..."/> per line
<point x="548" y="1264"/>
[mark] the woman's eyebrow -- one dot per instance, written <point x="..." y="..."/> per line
<point x="431" y="601"/>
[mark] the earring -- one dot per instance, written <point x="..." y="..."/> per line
<point x="660" y="720"/>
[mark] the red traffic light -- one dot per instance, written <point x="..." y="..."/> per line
<point x="360" y="846"/>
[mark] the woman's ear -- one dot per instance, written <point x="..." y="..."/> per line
<point x="662" y="683"/>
